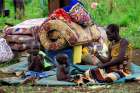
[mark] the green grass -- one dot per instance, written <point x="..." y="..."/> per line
<point x="124" y="13"/>
<point x="32" y="10"/>
<point x="114" y="88"/>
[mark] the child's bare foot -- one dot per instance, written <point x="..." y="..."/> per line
<point x="31" y="80"/>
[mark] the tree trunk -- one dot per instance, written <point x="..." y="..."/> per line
<point x="2" y="6"/>
<point x="19" y="8"/>
<point x="54" y="4"/>
<point x="110" y="6"/>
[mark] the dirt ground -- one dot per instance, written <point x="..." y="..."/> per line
<point x="136" y="56"/>
<point x="131" y="87"/>
<point x="113" y="88"/>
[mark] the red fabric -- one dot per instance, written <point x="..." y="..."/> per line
<point x="60" y="14"/>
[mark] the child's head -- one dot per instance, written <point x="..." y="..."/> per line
<point x="62" y="59"/>
<point x="112" y="32"/>
<point x="34" y="48"/>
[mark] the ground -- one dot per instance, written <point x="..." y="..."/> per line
<point x="130" y="87"/>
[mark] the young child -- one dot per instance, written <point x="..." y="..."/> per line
<point x="62" y="67"/>
<point x="117" y="65"/>
<point x="35" y="64"/>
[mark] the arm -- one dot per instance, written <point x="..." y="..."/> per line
<point x="121" y="56"/>
<point x="104" y="59"/>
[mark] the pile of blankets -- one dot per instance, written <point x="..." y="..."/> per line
<point x="20" y="35"/>
<point x="71" y="26"/>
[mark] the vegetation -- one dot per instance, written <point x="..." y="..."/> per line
<point x="113" y="88"/>
<point x="122" y="12"/>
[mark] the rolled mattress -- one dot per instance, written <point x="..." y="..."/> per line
<point x="72" y="33"/>
<point x="66" y="34"/>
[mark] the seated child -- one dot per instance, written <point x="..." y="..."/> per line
<point x="62" y="67"/>
<point x="35" y="64"/>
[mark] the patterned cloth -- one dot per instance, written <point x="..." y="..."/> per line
<point x="78" y="13"/>
<point x="101" y="76"/>
<point x="60" y="14"/>
<point x="18" y="38"/>
<point x="24" y="27"/>
<point x="85" y="35"/>
<point x="6" y="53"/>
<point x="36" y="74"/>
<point x="125" y="65"/>
<point x="18" y="47"/>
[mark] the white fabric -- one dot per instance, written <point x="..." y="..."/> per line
<point x="6" y="53"/>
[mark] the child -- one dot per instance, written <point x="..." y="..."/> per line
<point x="35" y="64"/>
<point x="118" y="62"/>
<point x="62" y="67"/>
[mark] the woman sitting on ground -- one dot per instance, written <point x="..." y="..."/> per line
<point x="117" y="65"/>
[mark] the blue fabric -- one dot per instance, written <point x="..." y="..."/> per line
<point x="72" y="3"/>
<point x="135" y="74"/>
<point x="36" y="74"/>
<point x="67" y="51"/>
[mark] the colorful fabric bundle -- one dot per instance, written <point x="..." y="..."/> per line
<point x="64" y="34"/>
<point x="6" y="53"/>
<point x="18" y="38"/>
<point x="78" y="13"/>
<point x="60" y="14"/>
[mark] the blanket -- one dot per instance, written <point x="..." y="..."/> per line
<point x="51" y="79"/>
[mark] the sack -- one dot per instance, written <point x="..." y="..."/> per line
<point x="6" y="53"/>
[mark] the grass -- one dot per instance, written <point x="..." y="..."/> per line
<point x="124" y="13"/>
<point x="32" y="10"/>
<point x="114" y="88"/>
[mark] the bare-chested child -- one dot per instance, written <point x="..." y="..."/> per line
<point x="35" y="64"/>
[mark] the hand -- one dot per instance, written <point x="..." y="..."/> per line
<point x="96" y="53"/>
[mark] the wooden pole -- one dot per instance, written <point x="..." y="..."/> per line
<point x="2" y="6"/>
<point x="19" y="8"/>
<point x="54" y="4"/>
<point x="110" y="6"/>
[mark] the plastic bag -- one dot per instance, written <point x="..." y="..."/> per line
<point x="6" y="53"/>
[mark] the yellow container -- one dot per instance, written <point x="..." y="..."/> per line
<point x="77" y="54"/>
